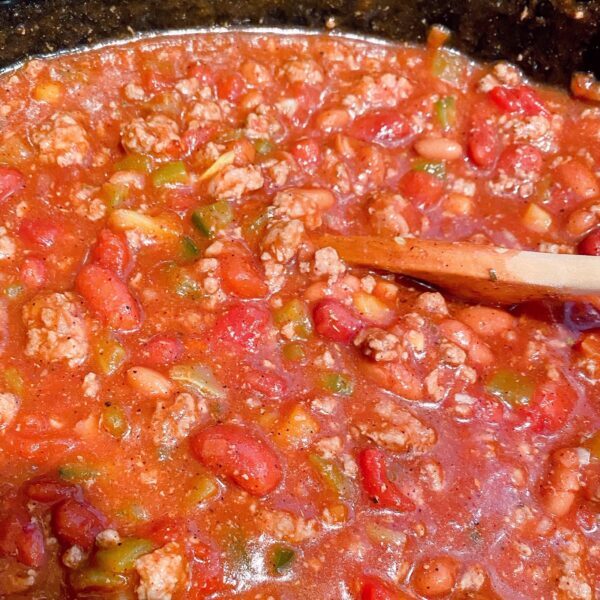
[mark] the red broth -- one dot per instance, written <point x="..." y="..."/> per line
<point x="196" y="404"/>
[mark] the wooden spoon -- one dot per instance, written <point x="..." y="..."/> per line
<point x="473" y="271"/>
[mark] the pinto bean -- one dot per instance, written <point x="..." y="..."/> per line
<point x="438" y="148"/>
<point x="562" y="485"/>
<point x="149" y="383"/>
<point x="463" y="336"/>
<point x="487" y="322"/>
<point x="435" y="577"/>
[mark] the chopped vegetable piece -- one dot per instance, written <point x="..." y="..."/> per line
<point x="449" y="66"/>
<point x="337" y="383"/>
<point x="282" y="558"/>
<point x="230" y="136"/>
<point x="433" y="168"/>
<point x="161" y="227"/>
<point x="14" y="380"/>
<point x="91" y="578"/>
<point x="198" y="378"/>
<point x="331" y="474"/>
<point x="114" y="421"/>
<point x="293" y="351"/>
<point x="78" y="472"/>
<point x="297" y="427"/>
<point x="189" y="249"/>
<point x="445" y="110"/>
<point x="110" y="355"/>
<point x="134" y="162"/>
<point x="114" y="194"/>
<point x="172" y="173"/>
<point x="511" y="387"/>
<point x="223" y="161"/>
<point x="203" y="488"/>
<point x="593" y="444"/>
<point x="121" y="557"/>
<point x="263" y="147"/>
<point x="293" y="318"/>
<point x="213" y="217"/>
<point x="385" y="535"/>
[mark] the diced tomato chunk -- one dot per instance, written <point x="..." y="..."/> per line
<point x="49" y="491"/>
<point x="76" y="522"/>
<point x="483" y="144"/>
<point x="306" y="151"/>
<point x="40" y="231"/>
<point x="335" y="321"/>
<point x="379" y="488"/>
<point x="374" y="588"/>
<point x="207" y="571"/>
<point x="162" y="349"/>
<point x="111" y="252"/>
<point x="521" y="159"/>
<point x="202" y="72"/>
<point x="240" y="274"/>
<point x="387" y="127"/>
<point x="230" y="86"/>
<point x="196" y="137"/>
<point x="236" y="453"/>
<point x="266" y="383"/>
<point x="521" y="99"/>
<point x="421" y="187"/>
<point x="23" y="540"/>
<point x="551" y="406"/>
<point x="109" y="297"/>
<point x="242" y="325"/>
<point x="33" y="272"/>
<point x="11" y="182"/>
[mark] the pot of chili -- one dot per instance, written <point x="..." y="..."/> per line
<point x="195" y="401"/>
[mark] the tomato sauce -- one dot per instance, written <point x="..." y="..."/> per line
<point x="195" y="402"/>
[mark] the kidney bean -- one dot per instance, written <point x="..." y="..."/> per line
<point x="11" y="182"/>
<point x="387" y="127"/>
<point x="242" y="325"/>
<point x="236" y="453"/>
<point x="590" y="244"/>
<point x="335" y="321"/>
<point x="111" y="252"/>
<point x="109" y="297"/>
<point x="162" y="349"/>
<point x="562" y="484"/>
<point x="42" y="232"/>
<point x="579" y="178"/>
<point x="485" y="321"/>
<point x="77" y="523"/>
<point x="50" y="491"/>
<point x="582" y="316"/>
<point x="483" y="144"/>
<point x="379" y="488"/>
<point x="22" y="539"/>
<point x="240" y="273"/>
<point x="421" y="187"/>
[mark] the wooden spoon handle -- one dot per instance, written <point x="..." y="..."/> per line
<point x="474" y="271"/>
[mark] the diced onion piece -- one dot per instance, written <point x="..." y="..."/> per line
<point x="158" y="227"/>
<point x="49" y="91"/>
<point x="297" y="428"/>
<point x="372" y="308"/>
<point x="198" y="378"/>
<point x="537" y="219"/>
<point x="385" y="535"/>
<point x="223" y="161"/>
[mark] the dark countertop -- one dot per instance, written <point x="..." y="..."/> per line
<point x="548" y="38"/>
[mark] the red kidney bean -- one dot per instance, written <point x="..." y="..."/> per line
<point x="236" y="453"/>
